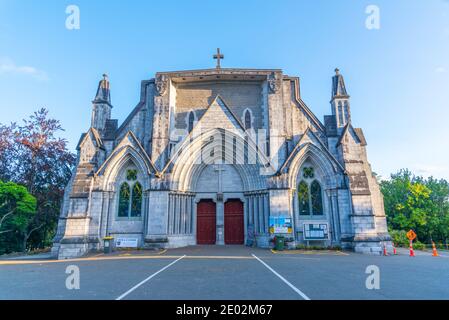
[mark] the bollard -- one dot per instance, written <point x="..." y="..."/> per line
<point x="412" y="253"/>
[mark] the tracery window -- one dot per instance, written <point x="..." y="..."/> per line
<point x="310" y="196"/>
<point x="130" y="198"/>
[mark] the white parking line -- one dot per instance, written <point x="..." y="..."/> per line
<point x="283" y="279"/>
<point x="147" y="279"/>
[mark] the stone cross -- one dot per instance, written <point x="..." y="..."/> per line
<point x="218" y="57"/>
<point x="218" y="168"/>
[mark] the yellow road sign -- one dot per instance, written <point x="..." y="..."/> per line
<point x="411" y="235"/>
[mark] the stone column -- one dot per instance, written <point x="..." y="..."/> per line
<point x="334" y="207"/>
<point x="266" y="212"/>
<point x="261" y="213"/>
<point x="250" y="210"/>
<point x="177" y="214"/>
<point x="220" y="222"/>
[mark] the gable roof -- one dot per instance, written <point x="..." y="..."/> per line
<point x="218" y="104"/>
<point x="92" y="133"/>
<point x="357" y="131"/>
<point x="313" y="139"/>
<point x="303" y="106"/>
<point x="129" y="139"/>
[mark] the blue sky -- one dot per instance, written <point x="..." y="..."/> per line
<point x="397" y="76"/>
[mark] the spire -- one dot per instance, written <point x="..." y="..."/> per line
<point x="101" y="106"/>
<point x="338" y="85"/>
<point x="340" y="101"/>
<point x="103" y="93"/>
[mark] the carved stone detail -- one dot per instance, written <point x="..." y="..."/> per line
<point x="274" y="82"/>
<point x="161" y="84"/>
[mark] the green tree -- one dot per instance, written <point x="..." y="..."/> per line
<point x="17" y="210"/>
<point x="412" y="202"/>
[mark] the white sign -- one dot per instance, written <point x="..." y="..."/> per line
<point x="126" y="242"/>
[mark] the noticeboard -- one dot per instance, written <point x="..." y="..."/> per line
<point x="126" y="242"/>
<point x="280" y="224"/>
<point x="316" y="231"/>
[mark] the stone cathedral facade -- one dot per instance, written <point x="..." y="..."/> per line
<point x="210" y="156"/>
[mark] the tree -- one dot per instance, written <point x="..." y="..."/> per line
<point x="412" y="202"/>
<point x="39" y="160"/>
<point x="7" y="151"/>
<point x="17" y="210"/>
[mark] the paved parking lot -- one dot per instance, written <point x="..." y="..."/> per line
<point x="228" y="272"/>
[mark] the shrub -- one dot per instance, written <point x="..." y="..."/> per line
<point x="399" y="238"/>
<point x="418" y="245"/>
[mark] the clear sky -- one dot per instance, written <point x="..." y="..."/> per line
<point x="397" y="76"/>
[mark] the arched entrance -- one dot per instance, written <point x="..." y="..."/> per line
<point x="206" y="222"/>
<point x="233" y="222"/>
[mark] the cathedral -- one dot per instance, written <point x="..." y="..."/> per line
<point x="222" y="156"/>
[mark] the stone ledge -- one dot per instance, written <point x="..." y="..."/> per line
<point x="156" y="240"/>
<point x="79" y="240"/>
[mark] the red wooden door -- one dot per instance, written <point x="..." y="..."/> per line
<point x="234" y="230"/>
<point x="205" y="222"/>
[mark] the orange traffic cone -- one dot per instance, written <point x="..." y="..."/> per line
<point x="434" y="250"/>
<point x="394" y="250"/>
<point x="385" y="250"/>
<point x="412" y="253"/>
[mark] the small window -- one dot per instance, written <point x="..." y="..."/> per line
<point x="308" y="172"/>
<point x="248" y="120"/>
<point x="131" y="175"/>
<point x="191" y="121"/>
<point x="340" y="113"/>
<point x="346" y="111"/>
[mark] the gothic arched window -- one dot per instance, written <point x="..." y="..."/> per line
<point x="248" y="120"/>
<point x="136" y="200"/>
<point x="303" y="198"/>
<point x="316" y="198"/>
<point x="124" y="197"/>
<point x="191" y="121"/>
<point x="340" y="113"/>
<point x="130" y="196"/>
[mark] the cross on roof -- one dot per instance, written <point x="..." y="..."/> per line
<point x="218" y="57"/>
